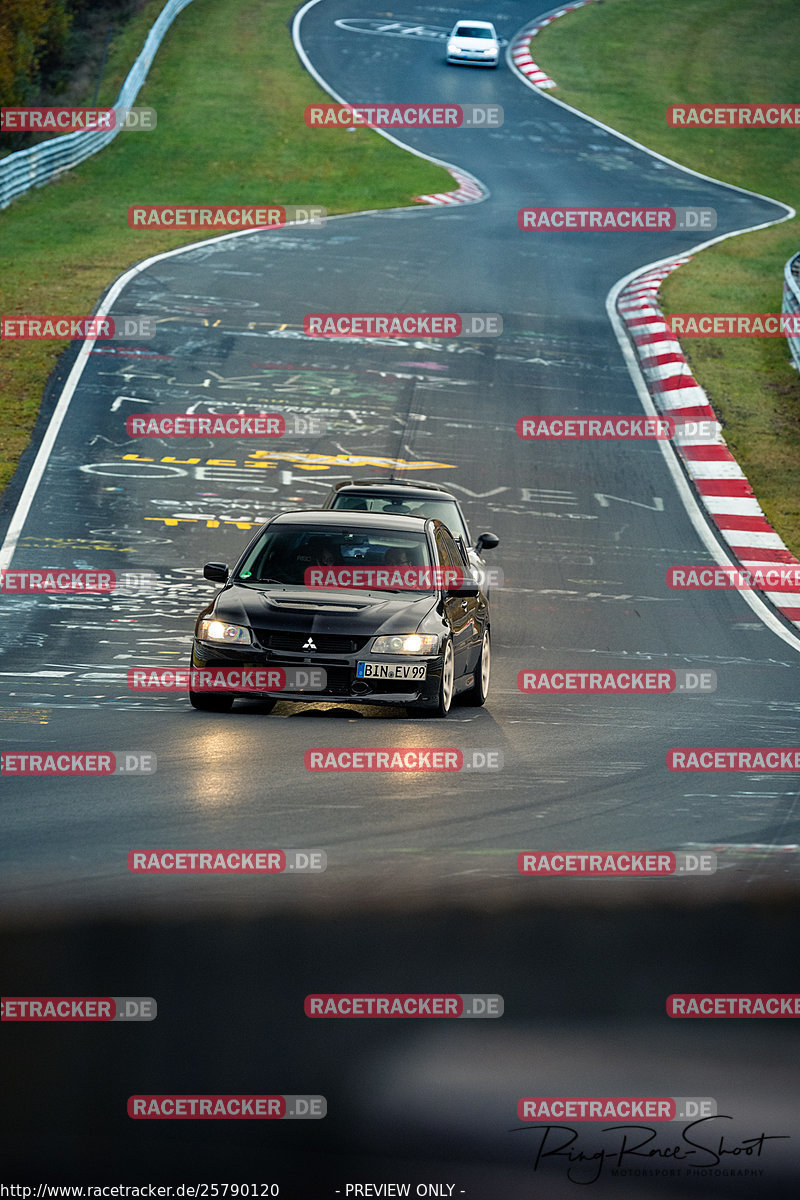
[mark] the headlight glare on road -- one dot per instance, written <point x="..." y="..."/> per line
<point x="408" y="643"/>
<point x="220" y="631"/>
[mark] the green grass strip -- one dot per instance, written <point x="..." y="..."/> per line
<point x="624" y="62"/>
<point x="230" y="94"/>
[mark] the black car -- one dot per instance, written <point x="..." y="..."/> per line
<point x="418" y="644"/>
<point x="416" y="498"/>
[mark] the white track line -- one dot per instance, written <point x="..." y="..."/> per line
<point x="694" y="510"/>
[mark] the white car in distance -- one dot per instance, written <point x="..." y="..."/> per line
<point x="475" y="43"/>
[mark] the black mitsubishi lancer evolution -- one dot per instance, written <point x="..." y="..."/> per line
<point x="359" y="608"/>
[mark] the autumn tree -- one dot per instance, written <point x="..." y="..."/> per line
<point x="34" y="36"/>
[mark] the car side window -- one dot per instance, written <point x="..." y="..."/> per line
<point x="447" y="550"/>
<point x="463" y="557"/>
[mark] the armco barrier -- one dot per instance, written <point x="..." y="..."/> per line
<point x="791" y="301"/>
<point x="40" y="164"/>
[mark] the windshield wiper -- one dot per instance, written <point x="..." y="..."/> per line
<point x="255" y="582"/>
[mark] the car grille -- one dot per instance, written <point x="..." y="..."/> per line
<point x="340" y="679"/>
<point x="325" y="643"/>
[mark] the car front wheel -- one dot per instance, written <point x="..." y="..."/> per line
<point x="444" y="699"/>
<point x="209" y="702"/>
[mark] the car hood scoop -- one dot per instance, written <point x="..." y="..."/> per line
<point x="302" y="602"/>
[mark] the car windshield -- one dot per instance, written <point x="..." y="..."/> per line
<point x="472" y="31"/>
<point x="443" y="510"/>
<point x="283" y="553"/>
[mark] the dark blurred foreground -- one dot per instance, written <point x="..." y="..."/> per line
<point x="409" y="1101"/>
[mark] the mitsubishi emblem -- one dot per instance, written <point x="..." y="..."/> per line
<point x="309" y="645"/>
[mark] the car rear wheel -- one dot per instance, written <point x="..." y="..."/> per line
<point x="446" y="686"/>
<point x="476" y="695"/>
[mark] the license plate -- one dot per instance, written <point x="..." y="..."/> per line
<point x="370" y="670"/>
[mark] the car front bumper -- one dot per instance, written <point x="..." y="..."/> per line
<point x="472" y="58"/>
<point x="342" y="684"/>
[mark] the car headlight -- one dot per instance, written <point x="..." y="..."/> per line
<point x="212" y="630"/>
<point x="408" y="643"/>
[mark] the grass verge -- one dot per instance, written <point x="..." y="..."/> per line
<point x="624" y="62"/>
<point x="230" y="93"/>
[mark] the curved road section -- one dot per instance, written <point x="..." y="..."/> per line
<point x="588" y="529"/>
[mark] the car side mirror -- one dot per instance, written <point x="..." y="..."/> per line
<point x="216" y="572"/>
<point x="468" y="587"/>
<point x="487" y="541"/>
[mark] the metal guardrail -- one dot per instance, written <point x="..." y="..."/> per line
<point x="40" y="164"/>
<point x="791" y="301"/>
